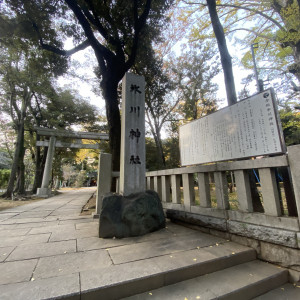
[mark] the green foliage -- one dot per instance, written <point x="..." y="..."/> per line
<point x="274" y="25"/>
<point x="152" y="162"/>
<point x="171" y="151"/>
<point x="64" y="109"/>
<point x="4" y="177"/>
<point x="290" y="121"/>
<point x="193" y="73"/>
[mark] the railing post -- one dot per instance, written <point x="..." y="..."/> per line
<point x="150" y="183"/>
<point x="243" y="190"/>
<point x="118" y="185"/>
<point x="166" y="188"/>
<point x="103" y="180"/>
<point x="269" y="192"/>
<point x="294" y="162"/>
<point x="188" y="191"/>
<point x="157" y="185"/>
<point x="176" y="194"/>
<point x="221" y="190"/>
<point x="204" y="189"/>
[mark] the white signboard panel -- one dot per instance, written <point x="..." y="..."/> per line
<point x="247" y="128"/>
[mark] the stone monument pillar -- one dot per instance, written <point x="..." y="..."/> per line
<point x="45" y="191"/>
<point x="132" y="165"/>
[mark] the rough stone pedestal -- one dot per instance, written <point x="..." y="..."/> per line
<point x="133" y="215"/>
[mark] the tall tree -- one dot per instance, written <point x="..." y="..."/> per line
<point x="159" y="102"/>
<point x="224" y="53"/>
<point x="59" y="109"/>
<point x="28" y="95"/>
<point x="23" y="71"/>
<point x="193" y="72"/>
<point x="114" y="29"/>
<point x="273" y="24"/>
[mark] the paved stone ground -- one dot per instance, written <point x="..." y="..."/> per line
<point x="47" y="250"/>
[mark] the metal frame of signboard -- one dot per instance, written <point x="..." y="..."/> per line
<point x="278" y="126"/>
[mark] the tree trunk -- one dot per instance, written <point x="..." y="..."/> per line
<point x="159" y="147"/>
<point x="20" y="187"/>
<point x="230" y="87"/>
<point x="15" y="164"/>
<point x="110" y="94"/>
<point x="225" y="56"/>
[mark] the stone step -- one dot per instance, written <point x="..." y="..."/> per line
<point x="244" y="281"/>
<point x="287" y="291"/>
<point x="127" y="279"/>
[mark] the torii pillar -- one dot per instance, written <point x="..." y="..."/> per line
<point x="44" y="190"/>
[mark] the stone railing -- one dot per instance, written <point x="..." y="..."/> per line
<point x="199" y="195"/>
<point x="188" y="195"/>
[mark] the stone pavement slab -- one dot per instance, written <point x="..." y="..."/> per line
<point x="13" y="232"/>
<point x="68" y="235"/>
<point x="4" y="252"/>
<point x="29" y="220"/>
<point x="24" y="239"/>
<point x="71" y="263"/>
<point x="36" y="224"/>
<point x="161" y="247"/>
<point x="52" y="228"/>
<point x="49" y="251"/>
<point x="31" y="214"/>
<point x="285" y="292"/>
<point x="16" y="271"/>
<point x="6" y="215"/>
<point x="50" y="288"/>
<point x="42" y="249"/>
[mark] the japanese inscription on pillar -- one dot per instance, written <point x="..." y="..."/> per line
<point x="248" y="128"/>
<point x="132" y="165"/>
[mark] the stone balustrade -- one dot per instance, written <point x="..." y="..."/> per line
<point x="199" y="195"/>
<point x="188" y="195"/>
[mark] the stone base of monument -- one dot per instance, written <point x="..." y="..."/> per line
<point x="43" y="192"/>
<point x="133" y="215"/>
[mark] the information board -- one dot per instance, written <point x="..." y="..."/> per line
<point x="248" y="128"/>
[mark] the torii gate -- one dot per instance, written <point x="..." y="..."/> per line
<point x="44" y="190"/>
